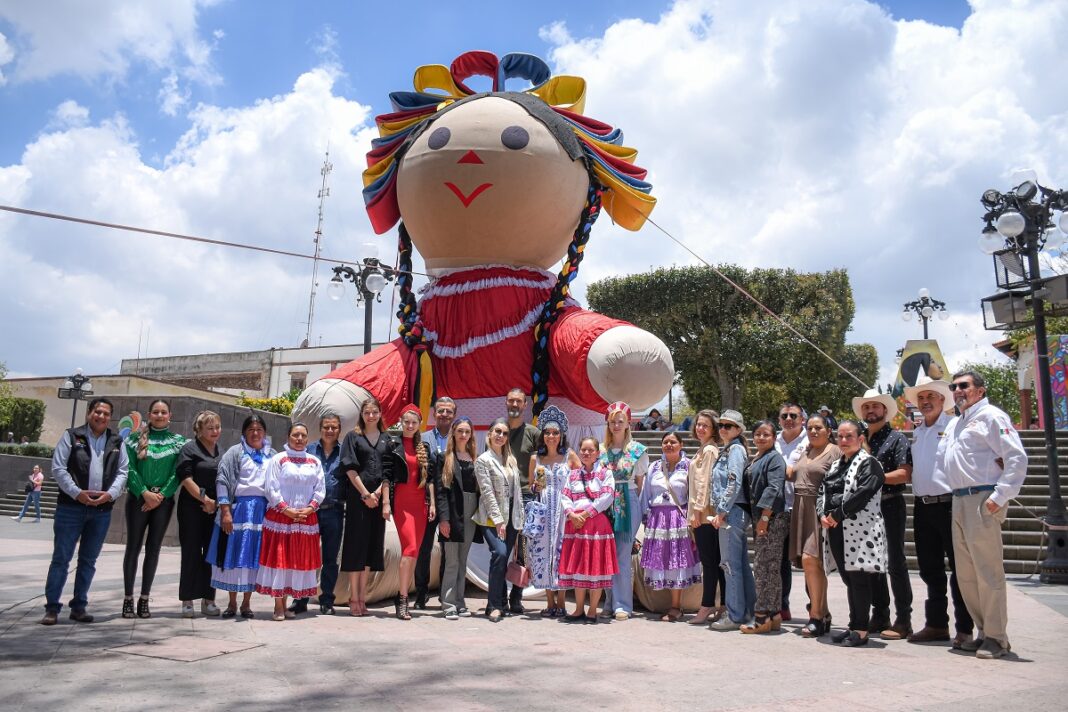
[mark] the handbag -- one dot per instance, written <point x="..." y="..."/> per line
<point x="29" y="488"/>
<point x="536" y="513"/>
<point x="517" y="573"/>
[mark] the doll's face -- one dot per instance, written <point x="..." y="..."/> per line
<point x="488" y="183"/>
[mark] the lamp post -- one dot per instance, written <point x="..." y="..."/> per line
<point x="1018" y="225"/>
<point x="370" y="279"/>
<point x="924" y="307"/>
<point x="77" y="387"/>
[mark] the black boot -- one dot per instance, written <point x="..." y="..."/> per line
<point x="421" y="597"/>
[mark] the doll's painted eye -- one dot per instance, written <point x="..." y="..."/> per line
<point x="515" y="137"/>
<point x="439" y="138"/>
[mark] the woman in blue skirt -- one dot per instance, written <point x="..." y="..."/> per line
<point x="234" y="551"/>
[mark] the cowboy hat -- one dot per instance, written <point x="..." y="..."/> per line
<point x="925" y="383"/>
<point x="873" y="395"/>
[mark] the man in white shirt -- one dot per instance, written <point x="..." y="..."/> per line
<point x="932" y="516"/>
<point x="790" y="443"/>
<point x="985" y="464"/>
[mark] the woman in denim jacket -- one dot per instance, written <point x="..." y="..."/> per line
<point x="732" y="521"/>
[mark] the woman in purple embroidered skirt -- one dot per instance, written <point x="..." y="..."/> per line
<point x="588" y="556"/>
<point x="669" y="554"/>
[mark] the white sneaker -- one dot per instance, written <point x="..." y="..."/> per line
<point x="464" y="613"/>
<point x="724" y="624"/>
<point x="187" y="609"/>
<point x="18" y="519"/>
<point x="452" y="616"/>
<point x="209" y="608"/>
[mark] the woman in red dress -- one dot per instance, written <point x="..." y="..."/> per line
<point x="413" y="502"/>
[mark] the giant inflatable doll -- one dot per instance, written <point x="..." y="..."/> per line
<point x="495" y="189"/>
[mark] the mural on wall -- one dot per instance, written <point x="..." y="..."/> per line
<point x="1058" y="371"/>
<point x="921" y="357"/>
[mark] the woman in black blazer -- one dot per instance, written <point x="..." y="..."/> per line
<point x="457" y="500"/>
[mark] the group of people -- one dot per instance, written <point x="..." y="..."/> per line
<point x="816" y="496"/>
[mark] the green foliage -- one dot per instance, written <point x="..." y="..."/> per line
<point x="283" y="404"/>
<point x="1001" y="387"/>
<point x="731" y="353"/>
<point x="280" y="405"/>
<point x="27" y="450"/>
<point x="22" y="416"/>
<point x="1025" y="338"/>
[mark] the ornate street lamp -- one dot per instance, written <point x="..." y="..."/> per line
<point x="1018" y="225"/>
<point x="924" y="307"/>
<point x="77" y="387"/>
<point x="370" y="280"/>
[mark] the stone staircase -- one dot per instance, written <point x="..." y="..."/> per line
<point x="1022" y="533"/>
<point x="11" y="502"/>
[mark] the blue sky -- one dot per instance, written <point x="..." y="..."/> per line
<point x="264" y="45"/>
<point x="812" y="134"/>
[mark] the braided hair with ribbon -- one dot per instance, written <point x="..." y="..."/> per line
<point x="558" y="297"/>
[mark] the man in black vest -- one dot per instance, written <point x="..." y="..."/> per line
<point x="89" y="465"/>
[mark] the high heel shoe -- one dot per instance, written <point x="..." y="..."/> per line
<point x="776" y="621"/>
<point x="813" y="629"/>
<point x="763" y="624"/>
<point x="702" y="615"/>
<point x="402" y="609"/>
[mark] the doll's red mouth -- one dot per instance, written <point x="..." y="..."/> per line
<point x="467" y="199"/>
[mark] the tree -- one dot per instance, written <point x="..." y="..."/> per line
<point x="1001" y="386"/>
<point x="729" y="351"/>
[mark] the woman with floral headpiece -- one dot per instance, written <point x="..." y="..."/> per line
<point x="628" y="461"/>
<point x="551" y="465"/>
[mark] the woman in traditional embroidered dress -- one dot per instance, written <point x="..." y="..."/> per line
<point x="628" y="462"/>
<point x="551" y="465"/>
<point x="669" y="554"/>
<point x="849" y="511"/>
<point x="234" y="551"/>
<point x="365" y="460"/>
<point x="806" y="534"/>
<point x="413" y="502"/>
<point x="152" y="482"/>
<point x="457" y="496"/>
<point x="500" y="510"/>
<point x="588" y="556"/>
<point x="291" y="555"/>
<point x="699" y="516"/>
<point x="765" y="483"/>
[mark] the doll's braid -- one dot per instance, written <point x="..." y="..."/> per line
<point x="410" y="329"/>
<point x="555" y="303"/>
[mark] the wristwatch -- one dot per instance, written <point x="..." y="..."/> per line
<point x="765" y="518"/>
<point x="367" y="496"/>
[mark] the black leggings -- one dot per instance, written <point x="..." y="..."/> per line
<point x="859" y="584"/>
<point x="155" y="522"/>
<point x="707" y="537"/>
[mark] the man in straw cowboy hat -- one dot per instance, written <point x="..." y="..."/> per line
<point x="932" y="515"/>
<point x="892" y="450"/>
<point x="986" y="465"/>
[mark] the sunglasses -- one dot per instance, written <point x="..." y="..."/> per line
<point x="959" y="386"/>
<point x="789" y="416"/>
<point x="726" y="426"/>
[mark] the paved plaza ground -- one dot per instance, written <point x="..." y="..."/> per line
<point x="322" y="662"/>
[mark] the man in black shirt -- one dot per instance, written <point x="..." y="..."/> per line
<point x="892" y="450"/>
<point x="523" y="440"/>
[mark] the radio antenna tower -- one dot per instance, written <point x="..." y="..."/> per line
<point x="324" y="191"/>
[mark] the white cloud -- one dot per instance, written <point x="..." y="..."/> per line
<point x="69" y="114"/>
<point x="248" y="174"/>
<point x="103" y="39"/>
<point x="171" y="96"/>
<point x="6" y="55"/>
<point x="824" y="134"/>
